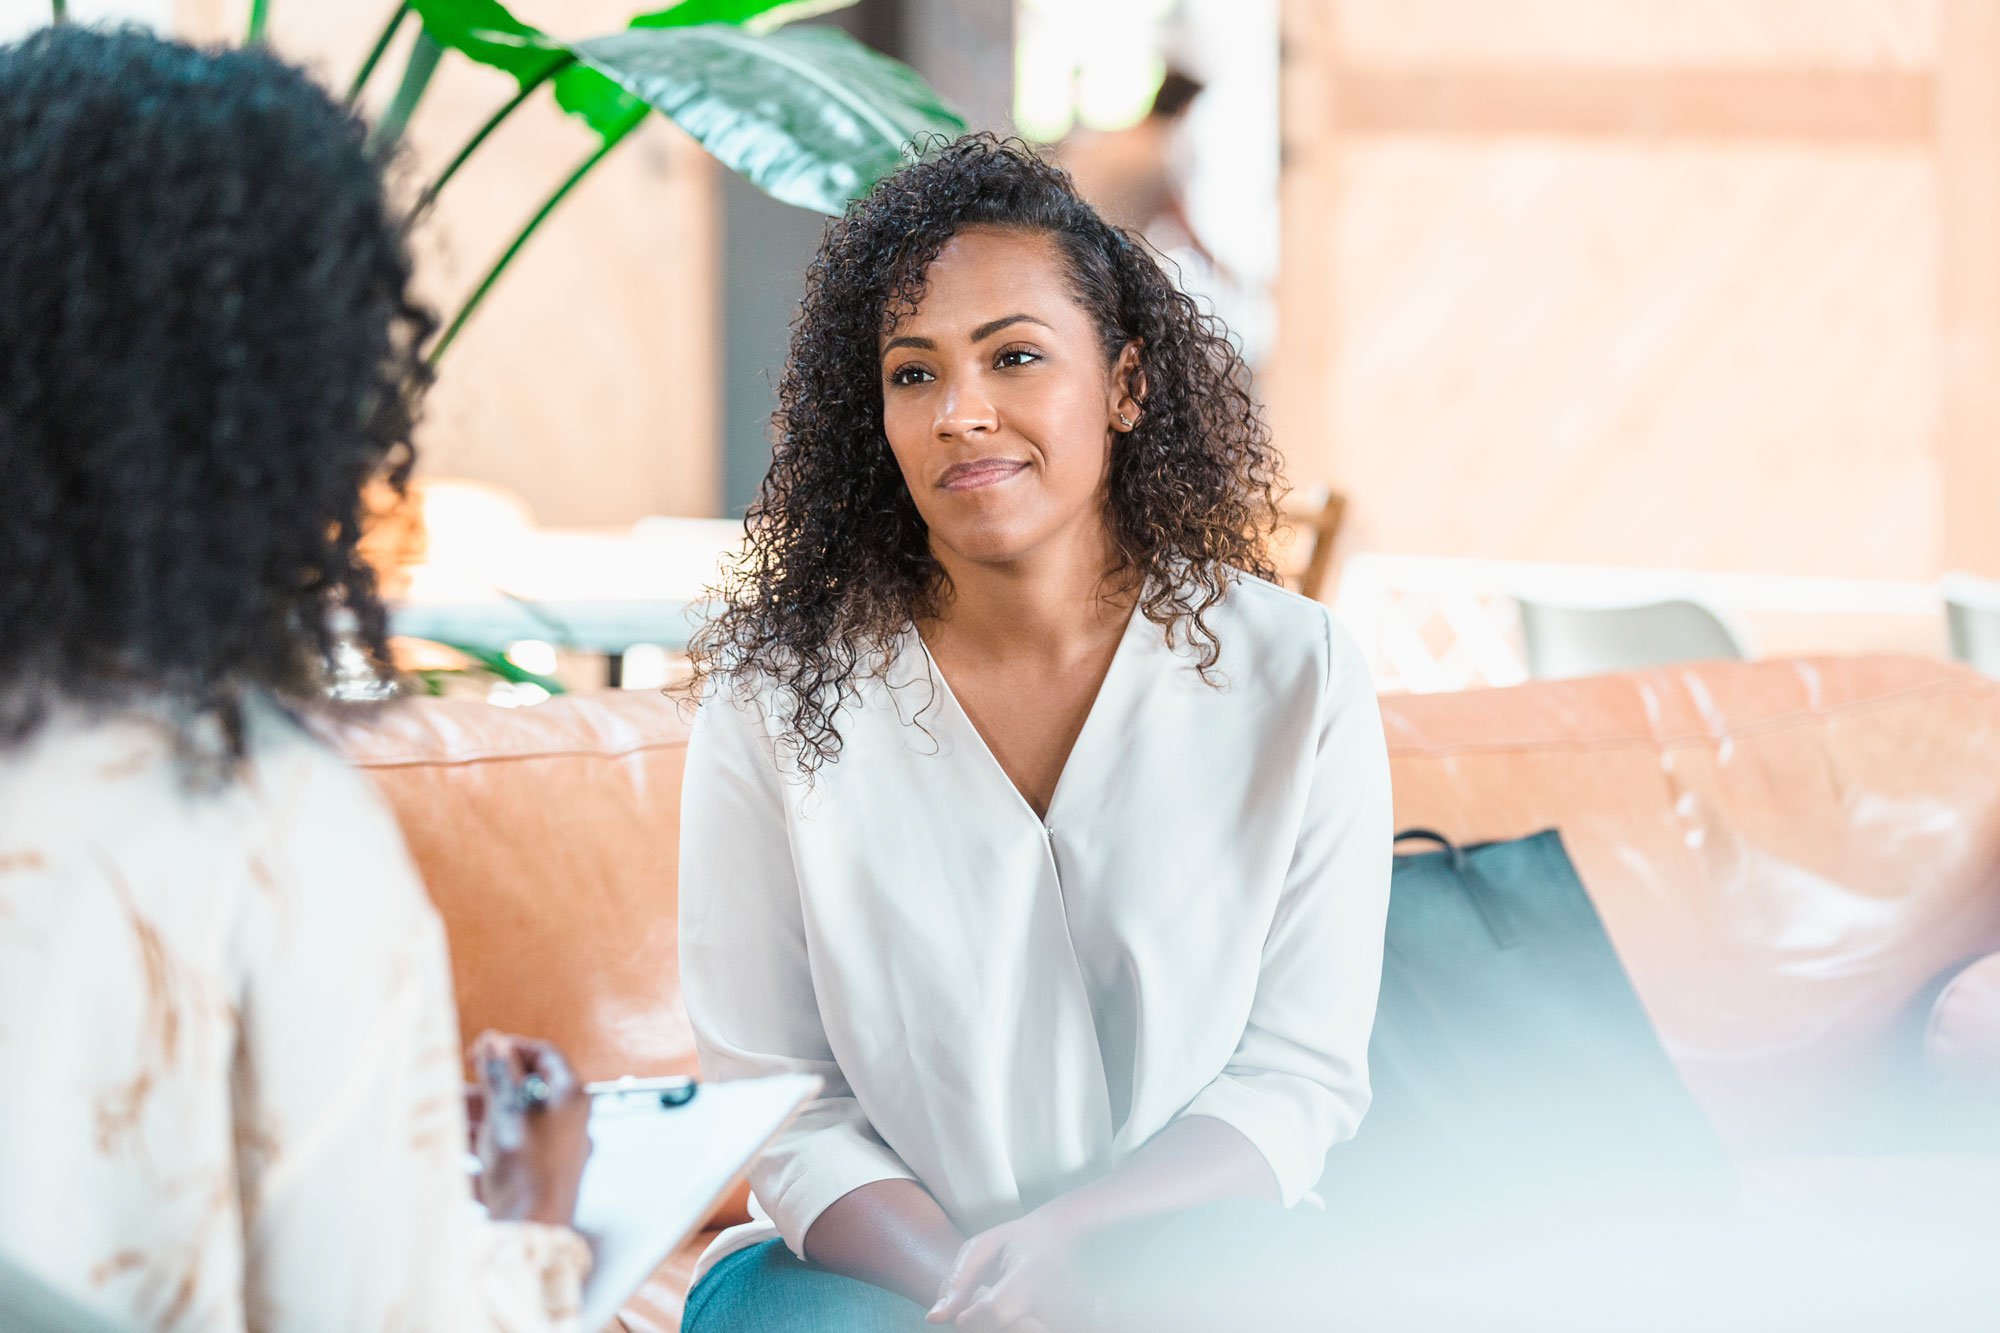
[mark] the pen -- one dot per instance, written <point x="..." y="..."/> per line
<point x="677" y="1090"/>
<point x="512" y="1099"/>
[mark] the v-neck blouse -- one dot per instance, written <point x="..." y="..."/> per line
<point x="976" y="745"/>
<point x="1005" y="1007"/>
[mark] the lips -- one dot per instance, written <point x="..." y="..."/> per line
<point x="980" y="473"/>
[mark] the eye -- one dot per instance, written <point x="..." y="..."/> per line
<point x="1016" y="356"/>
<point x="909" y="373"/>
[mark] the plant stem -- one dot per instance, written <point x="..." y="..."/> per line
<point x="500" y="266"/>
<point x="375" y="55"/>
<point x="424" y="58"/>
<point x="59" y="11"/>
<point x="430" y="195"/>
<point x="260" y="13"/>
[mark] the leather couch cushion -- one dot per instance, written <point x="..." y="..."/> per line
<point x="549" y="838"/>
<point x="1788" y="855"/>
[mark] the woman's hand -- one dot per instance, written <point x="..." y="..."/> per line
<point x="531" y="1154"/>
<point x="1011" y="1279"/>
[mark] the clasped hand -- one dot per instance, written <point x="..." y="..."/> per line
<point x="1011" y="1279"/>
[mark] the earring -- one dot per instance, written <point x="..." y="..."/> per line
<point x="1125" y="421"/>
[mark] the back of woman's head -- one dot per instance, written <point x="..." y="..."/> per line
<point x="207" y="348"/>
<point x="838" y="560"/>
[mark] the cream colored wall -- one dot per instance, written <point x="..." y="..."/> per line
<point x="1703" y="283"/>
<point x="588" y="380"/>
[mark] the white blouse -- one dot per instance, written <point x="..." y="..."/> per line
<point x="233" y="1091"/>
<point x="1005" y="1007"/>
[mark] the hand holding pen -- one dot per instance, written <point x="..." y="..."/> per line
<point x="531" y="1129"/>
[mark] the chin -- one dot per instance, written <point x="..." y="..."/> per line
<point x="991" y="543"/>
<point x="989" y="552"/>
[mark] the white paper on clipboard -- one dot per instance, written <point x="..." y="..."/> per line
<point x="655" y="1174"/>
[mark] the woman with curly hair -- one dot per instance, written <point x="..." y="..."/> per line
<point x="234" y="1090"/>
<point x="1023" y="807"/>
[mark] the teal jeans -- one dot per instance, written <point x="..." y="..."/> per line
<point x="767" y="1289"/>
<point x="1229" y="1266"/>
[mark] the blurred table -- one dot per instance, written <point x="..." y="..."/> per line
<point x="601" y="591"/>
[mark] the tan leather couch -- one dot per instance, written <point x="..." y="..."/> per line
<point x="1798" y="861"/>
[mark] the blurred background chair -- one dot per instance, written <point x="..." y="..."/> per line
<point x="1305" y="549"/>
<point x="1568" y="641"/>
<point x="1972" y="611"/>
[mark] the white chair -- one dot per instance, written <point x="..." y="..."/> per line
<point x="1567" y="641"/>
<point x="1972" y="610"/>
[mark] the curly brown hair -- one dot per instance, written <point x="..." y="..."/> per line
<point x="838" y="563"/>
<point x="208" y="344"/>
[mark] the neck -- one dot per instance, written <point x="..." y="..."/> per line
<point x="1053" y="604"/>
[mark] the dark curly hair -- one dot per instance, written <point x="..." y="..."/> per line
<point x="838" y="562"/>
<point x="207" y="349"/>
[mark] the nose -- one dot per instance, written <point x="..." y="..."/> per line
<point x="964" y="413"/>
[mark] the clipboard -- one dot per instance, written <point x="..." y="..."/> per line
<point x="657" y="1172"/>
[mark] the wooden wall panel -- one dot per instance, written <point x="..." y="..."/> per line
<point x="1298" y="381"/>
<point x="588" y="381"/>
<point x="1657" y="34"/>
<point x="1837" y="106"/>
<point x="1969" y="282"/>
<point x="1708" y="358"/>
<point x="1702" y="283"/>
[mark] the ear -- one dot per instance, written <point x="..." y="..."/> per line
<point x="1128" y="387"/>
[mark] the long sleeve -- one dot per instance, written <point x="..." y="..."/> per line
<point x="746" y="974"/>
<point x="349" y="1107"/>
<point x="1298" y="1080"/>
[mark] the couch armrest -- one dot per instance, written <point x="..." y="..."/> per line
<point x="734" y="1210"/>
<point x="1962" y="1046"/>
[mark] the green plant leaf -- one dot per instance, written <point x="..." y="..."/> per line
<point x="808" y="115"/>
<point x="756" y="15"/>
<point x="614" y="113"/>
<point x="497" y="663"/>
<point x="485" y="31"/>
<point x="598" y="102"/>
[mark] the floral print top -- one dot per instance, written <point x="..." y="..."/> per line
<point x="234" y="1085"/>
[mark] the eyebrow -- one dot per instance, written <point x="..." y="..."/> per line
<point x="980" y="334"/>
<point x="985" y="331"/>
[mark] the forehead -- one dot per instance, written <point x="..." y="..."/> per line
<point x="983" y="273"/>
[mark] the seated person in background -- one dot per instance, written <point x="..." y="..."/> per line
<point x="1130" y="176"/>
<point x="234" y="1094"/>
